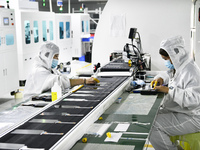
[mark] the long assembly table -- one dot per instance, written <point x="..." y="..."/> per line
<point x="60" y="124"/>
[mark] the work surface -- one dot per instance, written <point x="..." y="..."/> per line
<point x="133" y="111"/>
<point x="131" y="119"/>
<point x="63" y="117"/>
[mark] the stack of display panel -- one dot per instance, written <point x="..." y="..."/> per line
<point x="48" y="127"/>
<point x="117" y="65"/>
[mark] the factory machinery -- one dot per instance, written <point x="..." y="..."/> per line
<point x="63" y="122"/>
<point x="131" y="60"/>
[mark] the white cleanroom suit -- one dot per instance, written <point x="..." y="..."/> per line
<point x="180" y="111"/>
<point x="42" y="77"/>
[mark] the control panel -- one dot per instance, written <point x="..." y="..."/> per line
<point x="7" y="18"/>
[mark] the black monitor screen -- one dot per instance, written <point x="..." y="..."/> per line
<point x="132" y="33"/>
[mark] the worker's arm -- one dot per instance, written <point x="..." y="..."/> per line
<point x="162" y="88"/>
<point x="75" y="82"/>
<point x="162" y="78"/>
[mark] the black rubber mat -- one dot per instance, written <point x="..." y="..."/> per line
<point x="96" y="94"/>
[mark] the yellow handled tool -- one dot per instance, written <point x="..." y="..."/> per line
<point x="77" y="88"/>
<point x="153" y="84"/>
<point x="129" y="63"/>
<point x="95" y="79"/>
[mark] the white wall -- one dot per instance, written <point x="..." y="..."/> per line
<point x="3" y="3"/>
<point x="197" y="34"/>
<point x="155" y="20"/>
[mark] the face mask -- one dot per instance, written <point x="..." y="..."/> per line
<point x="54" y="63"/>
<point x="168" y="64"/>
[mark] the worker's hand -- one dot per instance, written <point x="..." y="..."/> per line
<point x="156" y="82"/>
<point x="91" y="81"/>
<point x="162" y="88"/>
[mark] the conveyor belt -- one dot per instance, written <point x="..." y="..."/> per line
<point x="116" y="65"/>
<point x="72" y="104"/>
<point x="122" y="66"/>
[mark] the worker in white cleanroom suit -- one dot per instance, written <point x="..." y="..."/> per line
<point x="180" y="111"/>
<point x="44" y="74"/>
